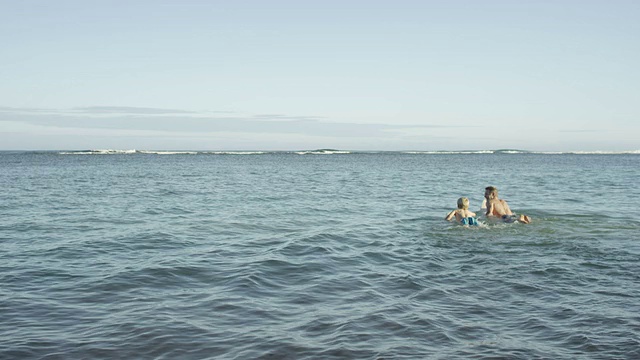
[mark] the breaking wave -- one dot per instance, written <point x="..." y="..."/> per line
<point x="340" y="152"/>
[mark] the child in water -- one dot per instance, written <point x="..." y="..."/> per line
<point x="462" y="213"/>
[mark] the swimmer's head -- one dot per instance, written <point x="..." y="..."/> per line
<point x="490" y="192"/>
<point x="463" y="203"/>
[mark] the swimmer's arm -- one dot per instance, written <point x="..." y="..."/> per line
<point x="450" y="216"/>
<point x="471" y="213"/>
<point x="490" y="207"/>
<point x="506" y="208"/>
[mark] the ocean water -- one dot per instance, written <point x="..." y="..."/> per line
<point x="316" y="255"/>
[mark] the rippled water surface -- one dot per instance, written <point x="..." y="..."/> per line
<point x="306" y="256"/>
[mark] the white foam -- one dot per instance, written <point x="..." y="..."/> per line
<point x="322" y="152"/>
<point x="449" y="152"/>
<point x="99" y="152"/>
<point x="337" y="152"/>
<point x="169" y="152"/>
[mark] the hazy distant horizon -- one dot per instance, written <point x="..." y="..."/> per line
<point x="124" y="128"/>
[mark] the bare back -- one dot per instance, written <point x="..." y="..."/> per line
<point x="460" y="214"/>
<point x="498" y="207"/>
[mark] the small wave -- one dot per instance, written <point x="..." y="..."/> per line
<point x="509" y="152"/>
<point x="124" y="152"/>
<point x="322" y="152"/>
<point x="442" y="152"/>
<point x="157" y="152"/>
<point x="168" y="152"/>
<point x="512" y="152"/>
<point x="98" y="152"/>
<point x="340" y="152"/>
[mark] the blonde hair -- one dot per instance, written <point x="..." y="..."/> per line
<point x="463" y="203"/>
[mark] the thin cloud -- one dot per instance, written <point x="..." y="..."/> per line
<point x="180" y="121"/>
<point x="580" y="131"/>
<point x="128" y="110"/>
<point x="285" y="117"/>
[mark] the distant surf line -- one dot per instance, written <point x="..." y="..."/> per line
<point x="338" y="152"/>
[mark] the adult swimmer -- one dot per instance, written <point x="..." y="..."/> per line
<point x="499" y="208"/>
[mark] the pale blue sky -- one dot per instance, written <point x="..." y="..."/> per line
<point x="286" y="75"/>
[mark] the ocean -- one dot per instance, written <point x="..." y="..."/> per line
<point x="317" y="255"/>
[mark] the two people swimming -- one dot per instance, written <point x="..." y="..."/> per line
<point x="495" y="208"/>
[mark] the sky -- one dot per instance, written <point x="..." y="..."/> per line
<point x="557" y="75"/>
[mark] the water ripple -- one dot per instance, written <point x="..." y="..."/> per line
<point x="289" y="257"/>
